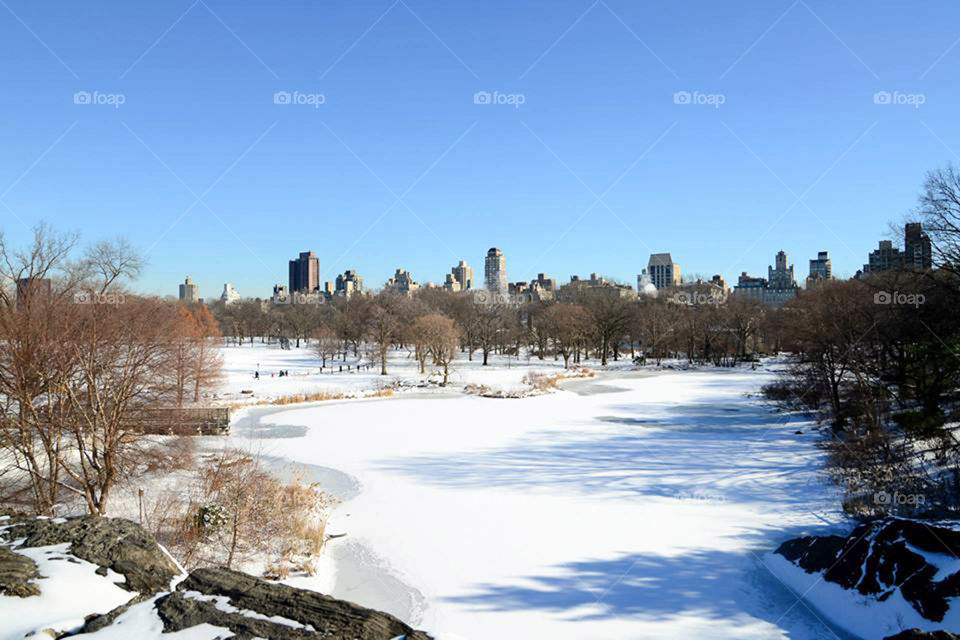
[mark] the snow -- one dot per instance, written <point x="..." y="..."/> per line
<point x="240" y="362"/>
<point x="636" y="505"/>
<point x="69" y="590"/>
<point x="861" y="615"/>
<point x="142" y="622"/>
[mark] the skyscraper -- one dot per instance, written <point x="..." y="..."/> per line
<point x="495" y="271"/>
<point x="462" y="275"/>
<point x="189" y="292"/>
<point x="662" y="271"/>
<point x="348" y="283"/>
<point x="820" y="269"/>
<point x="305" y="273"/>
<point x="918" y="252"/>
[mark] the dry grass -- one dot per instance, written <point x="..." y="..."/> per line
<point x="316" y="396"/>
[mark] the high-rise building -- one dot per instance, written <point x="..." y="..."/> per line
<point x="781" y="276"/>
<point x="189" y="292"/>
<point x="305" y="273"/>
<point x="348" y="283"/>
<point x="820" y="269"/>
<point x="230" y="294"/>
<point x="402" y="282"/>
<point x="918" y="251"/>
<point x="778" y="288"/>
<point x="460" y="278"/>
<point x="662" y="271"/>
<point x="495" y="271"/>
<point x="885" y="257"/>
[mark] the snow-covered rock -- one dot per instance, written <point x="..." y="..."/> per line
<point x="888" y="575"/>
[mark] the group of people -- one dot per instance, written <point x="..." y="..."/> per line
<point x="283" y="373"/>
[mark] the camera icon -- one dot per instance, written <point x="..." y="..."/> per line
<point x="682" y="297"/>
<point x="481" y="296"/>
<point x="481" y="97"/>
<point x="881" y="97"/>
<point x="281" y="298"/>
<point x="82" y="297"/>
<point x="881" y="497"/>
<point x="882" y="297"/>
<point x="681" y="97"/>
<point x="281" y="97"/>
<point x="81" y="97"/>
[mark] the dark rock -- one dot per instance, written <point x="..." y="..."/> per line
<point x="323" y="616"/>
<point x="880" y="557"/>
<point x="111" y="543"/>
<point x="17" y="573"/>
<point x="917" y="634"/>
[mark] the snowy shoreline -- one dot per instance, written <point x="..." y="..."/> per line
<point x="577" y="512"/>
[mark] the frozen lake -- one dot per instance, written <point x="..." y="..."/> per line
<point x="628" y="506"/>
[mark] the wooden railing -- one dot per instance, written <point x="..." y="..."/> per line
<point x="194" y="421"/>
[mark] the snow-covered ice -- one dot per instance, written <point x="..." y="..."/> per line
<point x="636" y="505"/>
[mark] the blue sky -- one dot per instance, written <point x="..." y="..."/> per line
<point x="399" y="167"/>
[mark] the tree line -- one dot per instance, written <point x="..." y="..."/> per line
<point x="81" y="359"/>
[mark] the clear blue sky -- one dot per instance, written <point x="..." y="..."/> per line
<point x="713" y="186"/>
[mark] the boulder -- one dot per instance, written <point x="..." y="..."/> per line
<point x="880" y="557"/>
<point x="917" y="634"/>
<point x="111" y="543"/>
<point x="255" y="608"/>
<point x="17" y="573"/>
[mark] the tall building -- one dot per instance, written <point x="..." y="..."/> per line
<point x="460" y="278"/>
<point x="495" y="271"/>
<point x="918" y="252"/>
<point x="348" y="283"/>
<point x="305" y="273"/>
<point x="885" y="257"/>
<point x="230" y="294"/>
<point x="189" y="292"/>
<point x="662" y="271"/>
<point x="778" y="288"/>
<point x="402" y="282"/>
<point x="781" y="276"/>
<point x="820" y="269"/>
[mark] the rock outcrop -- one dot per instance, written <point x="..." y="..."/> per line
<point x="254" y="608"/>
<point x="111" y="543"/>
<point x="917" y="634"/>
<point x="207" y="599"/>
<point x="880" y="558"/>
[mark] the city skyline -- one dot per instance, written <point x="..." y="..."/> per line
<point x="224" y="135"/>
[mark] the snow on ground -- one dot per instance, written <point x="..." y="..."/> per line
<point x="69" y="586"/>
<point x="636" y="505"/>
<point x="241" y="362"/>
